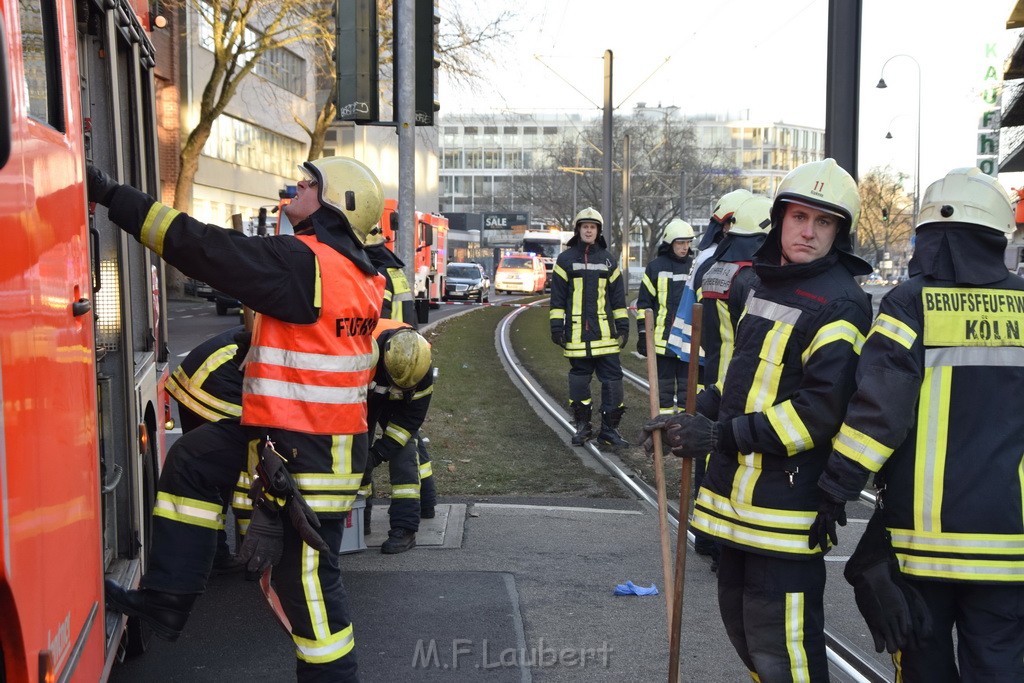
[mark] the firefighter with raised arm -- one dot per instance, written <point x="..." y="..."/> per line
<point x="399" y="399"/>
<point x="938" y="417"/>
<point x="660" y="291"/>
<point x="590" y="322"/>
<point x="770" y="428"/>
<point x="317" y="299"/>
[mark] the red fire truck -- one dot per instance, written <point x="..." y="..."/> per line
<point x="82" y="343"/>
<point x="431" y="252"/>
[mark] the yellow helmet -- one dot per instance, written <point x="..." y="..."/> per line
<point x="822" y="184"/>
<point x="677" y="229"/>
<point x="589" y="214"/>
<point x="406" y="357"/>
<point x="726" y="206"/>
<point x="966" y="195"/>
<point x="351" y="189"/>
<point x="752" y="216"/>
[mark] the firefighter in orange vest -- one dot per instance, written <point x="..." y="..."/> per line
<point x="398" y="402"/>
<point x="317" y="299"/>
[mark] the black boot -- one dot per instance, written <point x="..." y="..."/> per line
<point x="610" y="428"/>
<point x="399" y="540"/>
<point x="166" y="613"/>
<point x="581" y="413"/>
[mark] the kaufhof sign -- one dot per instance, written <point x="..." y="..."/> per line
<point x="988" y="123"/>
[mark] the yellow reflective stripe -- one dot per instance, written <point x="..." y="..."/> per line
<point x="155" y="226"/>
<point x="746" y="477"/>
<point x="949" y="542"/>
<point x="798" y="663"/>
<point x="620" y="313"/>
<point x="614" y="275"/>
<point x="789" y="428"/>
<point x="400" y="435"/>
<point x="961" y="570"/>
<point x="323" y="481"/>
<point x="894" y="329"/>
<point x="328" y="649"/>
<point x="241" y="501"/>
<point x="328" y="503"/>
<point x="765" y="386"/>
<point x="577" y="317"/>
<point x="840" y="330"/>
<point x="201" y="410"/>
<point x="556" y="314"/>
<point x="861" y="448"/>
<point x="398" y="280"/>
<point x="293" y="391"/>
<point x="725" y="334"/>
<point x="648" y="285"/>
<point x="341" y="455"/>
<point x="301" y="360"/>
<point x="721" y="517"/>
<point x="387" y="295"/>
<point x="560" y="272"/>
<point x="423" y="392"/>
<point x="602" y="320"/>
<point x="405" y="490"/>
<point x="930" y="463"/>
<point x="426" y="470"/>
<point x="315" y="605"/>
<point x="318" y="291"/>
<point x="189" y="511"/>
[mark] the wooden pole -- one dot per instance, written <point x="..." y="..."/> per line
<point x="675" y="628"/>
<point x="659" y="471"/>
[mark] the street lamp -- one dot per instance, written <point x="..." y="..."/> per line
<point x="917" y="154"/>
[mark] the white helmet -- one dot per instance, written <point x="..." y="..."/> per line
<point x="966" y="195"/>
<point x="727" y="204"/>
<point x="349" y="188"/>
<point x="677" y="229"/>
<point x="590" y="215"/>
<point x="752" y="216"/>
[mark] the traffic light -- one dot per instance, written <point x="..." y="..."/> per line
<point x="355" y="54"/>
<point x="427" y="62"/>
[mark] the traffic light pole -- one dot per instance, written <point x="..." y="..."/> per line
<point x="405" y="117"/>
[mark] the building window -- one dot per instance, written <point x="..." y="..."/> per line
<point x="513" y="159"/>
<point x="474" y="158"/>
<point x="529" y="130"/>
<point x="239" y="142"/>
<point x="39" y="54"/>
<point x="511" y="130"/>
<point x="492" y="159"/>
<point x="550" y="130"/>
<point x="452" y="159"/>
<point x="490" y="130"/>
<point x="451" y="130"/>
<point x="471" y="130"/>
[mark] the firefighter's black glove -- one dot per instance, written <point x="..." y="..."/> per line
<point x="893" y="610"/>
<point x="99" y="187"/>
<point x="831" y="511"/>
<point x="623" y="338"/>
<point x="641" y="344"/>
<point x="688" y="436"/>
<point x="264" y="541"/>
<point x="558" y="338"/>
<point x="650" y="431"/>
<point x="274" y="489"/>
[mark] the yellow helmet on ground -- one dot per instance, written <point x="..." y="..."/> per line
<point x="351" y="189"/>
<point x="406" y="357"/>
<point x="966" y="195"/>
<point x="677" y="229"/>
<point x="752" y="216"/>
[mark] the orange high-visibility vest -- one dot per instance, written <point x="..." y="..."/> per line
<point x="313" y="378"/>
<point x="385" y="324"/>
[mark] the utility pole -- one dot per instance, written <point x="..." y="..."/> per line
<point x="405" y="117"/>
<point x="609" y="151"/>
<point x="627" y="167"/>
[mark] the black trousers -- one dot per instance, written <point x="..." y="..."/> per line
<point x="989" y="622"/>
<point x="204" y="463"/>
<point x="773" y="610"/>
<point x="609" y="373"/>
<point x="672" y="376"/>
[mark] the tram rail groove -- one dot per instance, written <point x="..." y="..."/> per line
<point x="847" y="661"/>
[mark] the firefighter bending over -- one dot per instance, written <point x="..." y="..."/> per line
<point x="938" y="418"/>
<point x="589" y="320"/>
<point x="317" y="299"/>
<point x="398" y="402"/>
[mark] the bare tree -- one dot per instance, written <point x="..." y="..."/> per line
<point x="886" y="214"/>
<point x="466" y="43"/>
<point x="240" y="33"/>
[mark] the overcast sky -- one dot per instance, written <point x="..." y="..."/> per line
<point x="768" y="57"/>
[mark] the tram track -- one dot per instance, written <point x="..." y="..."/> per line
<point x="847" y="662"/>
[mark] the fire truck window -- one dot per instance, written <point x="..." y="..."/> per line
<point x="39" y="56"/>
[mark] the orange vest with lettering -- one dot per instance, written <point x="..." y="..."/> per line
<point x="313" y="378"/>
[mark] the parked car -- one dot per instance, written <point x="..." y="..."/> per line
<point x="466" y="281"/>
<point x="522" y="272"/>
